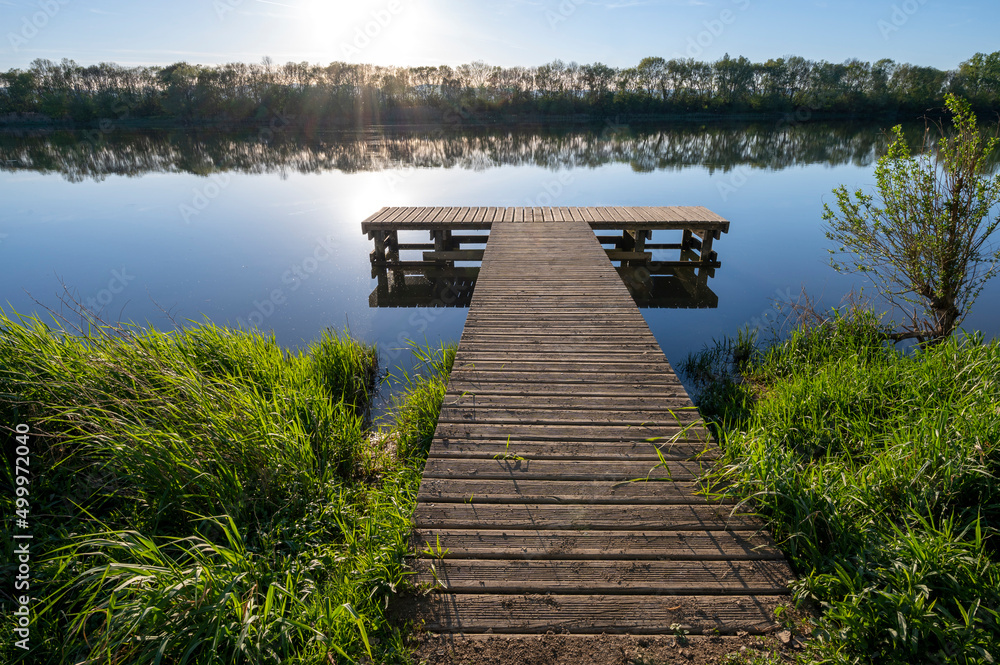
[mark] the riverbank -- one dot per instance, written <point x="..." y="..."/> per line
<point x="205" y="495"/>
<point x="877" y="473"/>
<point x="429" y="119"/>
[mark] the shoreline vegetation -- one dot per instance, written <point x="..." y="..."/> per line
<point x="876" y="472"/>
<point x="433" y="119"/>
<point x="207" y="496"/>
<point x="344" y="94"/>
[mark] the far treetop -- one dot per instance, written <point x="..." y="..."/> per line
<point x="477" y="92"/>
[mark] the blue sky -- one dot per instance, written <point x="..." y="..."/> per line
<point x="937" y="33"/>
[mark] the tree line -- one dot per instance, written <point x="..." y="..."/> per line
<point x="343" y="93"/>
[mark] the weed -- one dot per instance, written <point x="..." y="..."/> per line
<point x="435" y="551"/>
<point x="506" y="454"/>
<point x="680" y="633"/>
<point x="751" y="657"/>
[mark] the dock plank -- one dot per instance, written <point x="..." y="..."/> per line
<point x="555" y="469"/>
<point x="442" y="490"/>
<point x="595" y="614"/>
<point x="584" y="544"/>
<point x="575" y="450"/>
<point x="608" y="517"/>
<point x="599" y="577"/>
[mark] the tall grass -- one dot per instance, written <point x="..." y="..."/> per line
<point x="206" y="496"/>
<point x="877" y="471"/>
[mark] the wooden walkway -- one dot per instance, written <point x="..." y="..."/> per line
<point x="544" y="504"/>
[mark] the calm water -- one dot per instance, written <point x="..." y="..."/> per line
<point x="263" y="228"/>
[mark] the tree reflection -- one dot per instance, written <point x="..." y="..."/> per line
<point x="96" y="154"/>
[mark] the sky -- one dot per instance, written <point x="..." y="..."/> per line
<point x="938" y="33"/>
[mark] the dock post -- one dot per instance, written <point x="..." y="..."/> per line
<point x="442" y="243"/>
<point x="706" y="246"/>
<point x="379" y="257"/>
<point x="392" y="245"/>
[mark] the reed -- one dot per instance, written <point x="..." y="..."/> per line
<point x="876" y="470"/>
<point x="207" y="496"/>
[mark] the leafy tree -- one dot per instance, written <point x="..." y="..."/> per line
<point x="599" y="79"/>
<point x="923" y="237"/>
<point x="774" y="82"/>
<point x="979" y="77"/>
<point x="21" y="91"/>
<point x="179" y="82"/>
<point x="917" y="87"/>
<point x="878" y="82"/>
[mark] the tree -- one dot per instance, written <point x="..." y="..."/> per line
<point x="774" y="81"/>
<point x="20" y="88"/>
<point x="979" y="78"/>
<point x="179" y="81"/>
<point x="598" y="78"/>
<point x="923" y="237"/>
<point x="917" y="87"/>
<point x="733" y="77"/>
<point x="652" y="75"/>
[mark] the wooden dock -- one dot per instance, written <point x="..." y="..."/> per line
<point x="560" y="492"/>
<point x="432" y="277"/>
<point x="635" y="225"/>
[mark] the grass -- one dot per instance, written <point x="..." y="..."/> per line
<point x="877" y="473"/>
<point x="205" y="496"/>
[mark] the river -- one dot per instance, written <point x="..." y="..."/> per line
<point x="262" y="227"/>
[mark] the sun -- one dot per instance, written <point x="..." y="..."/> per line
<point x="385" y="32"/>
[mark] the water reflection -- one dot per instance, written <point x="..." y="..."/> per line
<point x="653" y="285"/>
<point x="96" y="154"/>
<point x="445" y="286"/>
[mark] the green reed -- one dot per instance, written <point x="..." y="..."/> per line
<point x="206" y="496"/>
<point x="876" y="470"/>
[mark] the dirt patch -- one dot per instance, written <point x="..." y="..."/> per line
<point x="597" y="649"/>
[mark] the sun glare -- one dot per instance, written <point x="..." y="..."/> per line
<point x="372" y="31"/>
